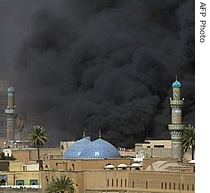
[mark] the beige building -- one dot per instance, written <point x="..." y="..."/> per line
<point x="153" y="174"/>
<point x="103" y="175"/>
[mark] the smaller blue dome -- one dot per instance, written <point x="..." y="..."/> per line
<point x="10" y="90"/>
<point x="74" y="150"/>
<point x="176" y="84"/>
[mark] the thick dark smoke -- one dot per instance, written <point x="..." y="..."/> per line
<point x="107" y="65"/>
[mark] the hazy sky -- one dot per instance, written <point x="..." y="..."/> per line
<point x="99" y="65"/>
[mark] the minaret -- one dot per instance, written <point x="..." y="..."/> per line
<point x="10" y="111"/>
<point x="176" y="127"/>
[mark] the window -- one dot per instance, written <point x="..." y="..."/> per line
<point x="125" y="183"/>
<point x="19" y="182"/>
<point x="3" y="182"/>
<point x="182" y="186"/>
<point x="188" y="188"/>
<point x="158" y="146"/>
<point x="117" y="182"/>
<point x="24" y="168"/>
<point x="112" y="182"/>
<point x="133" y="184"/>
<point x="33" y="182"/>
<point x="170" y="186"/>
<point x="146" y="184"/>
<point x="174" y="186"/>
<point x="161" y="185"/>
<point x="108" y="182"/>
<point x="165" y="185"/>
<point x="193" y="187"/>
<point x="121" y="182"/>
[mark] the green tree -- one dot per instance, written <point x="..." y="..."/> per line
<point x="188" y="139"/>
<point x="38" y="138"/>
<point x="61" y="185"/>
<point x="4" y="157"/>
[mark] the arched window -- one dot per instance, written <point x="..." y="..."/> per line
<point x="3" y="182"/>
<point x="165" y="185"/>
<point x="193" y="187"/>
<point x="182" y="186"/>
<point x="19" y="182"/>
<point x="161" y="185"/>
<point x="34" y="182"/>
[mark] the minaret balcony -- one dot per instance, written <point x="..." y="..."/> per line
<point x="176" y="127"/>
<point x="10" y="111"/>
<point x="176" y="102"/>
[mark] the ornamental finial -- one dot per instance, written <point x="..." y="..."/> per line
<point x="83" y="134"/>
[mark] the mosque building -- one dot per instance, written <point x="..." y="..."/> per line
<point x="96" y="166"/>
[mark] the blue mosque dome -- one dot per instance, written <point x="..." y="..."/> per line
<point x="10" y="90"/>
<point x="74" y="150"/>
<point x="99" y="149"/>
<point x="176" y="84"/>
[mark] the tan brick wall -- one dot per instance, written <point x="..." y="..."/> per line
<point x="30" y="154"/>
<point x="80" y="165"/>
<point x="138" y="181"/>
<point x="15" y="166"/>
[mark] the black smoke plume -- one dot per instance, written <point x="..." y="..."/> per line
<point x="107" y="66"/>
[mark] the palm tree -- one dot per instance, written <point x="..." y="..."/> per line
<point x="188" y="139"/>
<point x="38" y="138"/>
<point x="60" y="185"/>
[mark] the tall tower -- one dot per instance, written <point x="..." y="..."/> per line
<point x="176" y="127"/>
<point x="4" y="84"/>
<point x="10" y="112"/>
